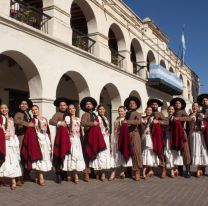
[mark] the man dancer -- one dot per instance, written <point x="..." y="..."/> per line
<point x="58" y="120"/>
<point x="88" y="105"/>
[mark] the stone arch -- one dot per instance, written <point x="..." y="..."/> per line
<point x="116" y="44"/>
<point x="137" y="56"/>
<point x="19" y="78"/>
<point x="73" y="86"/>
<point x="162" y="63"/>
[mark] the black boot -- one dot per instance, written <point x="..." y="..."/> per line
<point x="188" y="172"/>
<point x="58" y="178"/>
<point x="180" y="169"/>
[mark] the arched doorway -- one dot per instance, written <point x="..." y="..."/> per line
<point x="110" y="98"/>
<point x="116" y="43"/>
<point x="162" y="63"/>
<point x="83" y="23"/>
<point x="136" y="94"/>
<point x="19" y="78"/>
<point x="137" y="57"/>
<point x="73" y="86"/>
<point x="150" y="60"/>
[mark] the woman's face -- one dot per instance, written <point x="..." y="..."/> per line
<point x="101" y="111"/>
<point x="195" y="107"/>
<point x="4" y="109"/>
<point x="170" y="111"/>
<point x="72" y="109"/>
<point x="149" y="111"/>
<point x="121" y="112"/>
<point x="35" y="111"/>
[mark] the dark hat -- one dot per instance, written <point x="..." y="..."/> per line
<point x="200" y="98"/>
<point x="29" y="102"/>
<point x="61" y="99"/>
<point x="182" y="101"/>
<point x="132" y="98"/>
<point x="88" y="99"/>
<point x="154" y="100"/>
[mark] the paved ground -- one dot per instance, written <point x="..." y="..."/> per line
<point x="154" y="191"/>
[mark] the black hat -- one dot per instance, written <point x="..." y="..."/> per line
<point x="132" y="98"/>
<point x="154" y="100"/>
<point x="182" y="101"/>
<point x="88" y="99"/>
<point x="29" y="102"/>
<point x="61" y="99"/>
<point x="200" y="98"/>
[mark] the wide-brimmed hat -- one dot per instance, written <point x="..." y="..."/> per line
<point x="85" y="100"/>
<point x="181" y="100"/>
<point x="61" y="99"/>
<point x="29" y="102"/>
<point x="132" y="98"/>
<point x="200" y="98"/>
<point x="154" y="100"/>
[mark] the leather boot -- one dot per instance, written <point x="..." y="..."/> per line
<point x="137" y="175"/>
<point x="86" y="177"/>
<point x="180" y="170"/>
<point x="188" y="171"/>
<point x="163" y="175"/>
<point x="58" y="178"/>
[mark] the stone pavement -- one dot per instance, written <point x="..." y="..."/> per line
<point x="152" y="192"/>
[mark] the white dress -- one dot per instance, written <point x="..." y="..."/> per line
<point x="44" y="165"/>
<point x="149" y="157"/>
<point x="75" y="160"/>
<point x="103" y="159"/>
<point x="116" y="157"/>
<point x="199" y="152"/>
<point x="173" y="157"/>
<point x="11" y="167"/>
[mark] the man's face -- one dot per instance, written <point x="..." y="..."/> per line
<point x="24" y="106"/>
<point x="154" y="106"/>
<point x="62" y="106"/>
<point x="178" y="105"/>
<point x="205" y="102"/>
<point x="132" y="105"/>
<point x="89" y="106"/>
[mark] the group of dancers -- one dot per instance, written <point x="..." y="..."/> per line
<point x="136" y="145"/>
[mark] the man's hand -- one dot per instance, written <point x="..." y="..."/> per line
<point x="63" y="124"/>
<point x="155" y="121"/>
<point x="95" y="123"/>
<point x="31" y="124"/>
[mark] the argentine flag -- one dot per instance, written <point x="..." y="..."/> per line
<point x="183" y="43"/>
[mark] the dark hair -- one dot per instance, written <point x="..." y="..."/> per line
<point x="148" y="107"/>
<point x="34" y="105"/>
<point x="170" y="107"/>
<point x="122" y="107"/>
<point x="99" y="106"/>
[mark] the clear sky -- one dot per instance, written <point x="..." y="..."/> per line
<point x="170" y="16"/>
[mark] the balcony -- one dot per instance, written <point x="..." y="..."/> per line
<point x="116" y="58"/>
<point x="30" y="15"/>
<point x="164" y="80"/>
<point x="83" y="41"/>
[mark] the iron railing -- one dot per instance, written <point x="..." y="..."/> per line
<point x="116" y="58"/>
<point x="83" y="41"/>
<point x="29" y="15"/>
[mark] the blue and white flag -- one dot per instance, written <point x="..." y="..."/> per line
<point x="183" y="45"/>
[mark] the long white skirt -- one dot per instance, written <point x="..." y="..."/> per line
<point x="11" y="167"/>
<point x="173" y="157"/>
<point x="103" y="159"/>
<point x="199" y="152"/>
<point x="149" y="157"/>
<point x="44" y="165"/>
<point x="117" y="159"/>
<point x="75" y="160"/>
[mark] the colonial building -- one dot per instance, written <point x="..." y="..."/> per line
<point x="76" y="48"/>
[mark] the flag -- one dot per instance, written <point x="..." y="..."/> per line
<point x="183" y="47"/>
